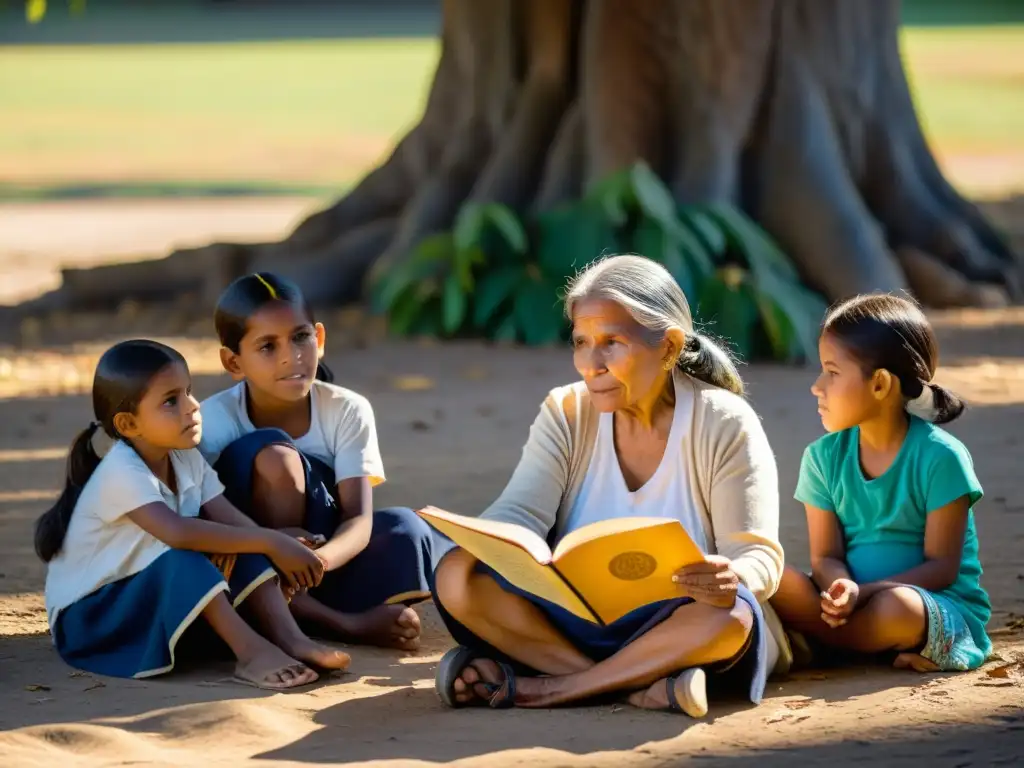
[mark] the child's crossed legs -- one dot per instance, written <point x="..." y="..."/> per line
<point x="279" y="501"/>
<point x="893" y="619"/>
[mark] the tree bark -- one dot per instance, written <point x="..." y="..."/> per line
<point x="798" y="111"/>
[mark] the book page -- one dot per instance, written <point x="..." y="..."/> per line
<point x="626" y="564"/>
<point x="510" y="560"/>
<point x="515" y="534"/>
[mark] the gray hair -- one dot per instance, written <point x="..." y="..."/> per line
<point x="650" y="294"/>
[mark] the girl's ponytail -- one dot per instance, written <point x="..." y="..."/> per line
<point x="936" y="404"/>
<point x="52" y="527"/>
<point x="323" y="373"/>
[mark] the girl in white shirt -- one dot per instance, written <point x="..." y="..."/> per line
<point x="299" y="454"/>
<point x="127" y="576"/>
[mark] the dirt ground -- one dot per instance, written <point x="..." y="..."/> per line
<point x="452" y="419"/>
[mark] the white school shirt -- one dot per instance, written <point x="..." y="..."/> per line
<point x="342" y="430"/>
<point x="102" y="545"/>
<point x="604" y="493"/>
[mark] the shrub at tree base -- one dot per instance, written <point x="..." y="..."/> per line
<point x="498" y="276"/>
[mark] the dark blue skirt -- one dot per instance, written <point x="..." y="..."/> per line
<point x="398" y="562"/>
<point x="598" y="642"/>
<point x="131" y="628"/>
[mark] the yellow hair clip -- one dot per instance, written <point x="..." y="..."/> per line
<point x="270" y="288"/>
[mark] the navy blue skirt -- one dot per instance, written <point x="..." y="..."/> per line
<point x="598" y="642"/>
<point x="132" y="627"/>
<point x="398" y="562"/>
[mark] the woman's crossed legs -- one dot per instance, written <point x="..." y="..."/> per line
<point x="694" y="635"/>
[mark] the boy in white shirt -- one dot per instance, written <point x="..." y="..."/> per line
<point x="299" y="454"/>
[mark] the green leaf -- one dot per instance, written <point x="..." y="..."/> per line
<point x="759" y="250"/>
<point x="505" y="221"/>
<point x="657" y="203"/>
<point x="728" y="301"/>
<point x="454" y="302"/>
<point x="802" y="308"/>
<point x="701" y="261"/>
<point x="707" y="230"/>
<point x="492" y="290"/>
<point x="405" y="310"/>
<point x="428" y="320"/>
<point x="464" y="263"/>
<point x="469" y="225"/>
<point x="776" y="277"/>
<point x="615" y="195"/>
<point x="571" y="237"/>
<point x="778" y="328"/>
<point x="654" y="197"/>
<point x="427" y="260"/>
<point x="650" y="240"/>
<point x="538" y="312"/>
<point x="506" y="331"/>
<point x="434" y="249"/>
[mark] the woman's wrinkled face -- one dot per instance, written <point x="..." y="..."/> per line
<point x="612" y="353"/>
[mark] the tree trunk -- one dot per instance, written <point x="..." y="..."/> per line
<point x="798" y="111"/>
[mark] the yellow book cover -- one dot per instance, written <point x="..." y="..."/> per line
<point x="599" y="572"/>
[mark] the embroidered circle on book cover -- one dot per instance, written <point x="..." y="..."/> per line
<point x="632" y="566"/>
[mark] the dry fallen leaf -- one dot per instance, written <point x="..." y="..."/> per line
<point x="35" y="688"/>
<point x="412" y="383"/>
<point x="1005" y="670"/>
<point x="475" y="373"/>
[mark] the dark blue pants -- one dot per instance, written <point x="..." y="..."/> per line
<point x="396" y="565"/>
<point x="141" y="625"/>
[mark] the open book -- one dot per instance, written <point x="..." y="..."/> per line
<point x="599" y="572"/>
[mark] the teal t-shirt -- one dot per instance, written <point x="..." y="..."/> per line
<point x="883" y="519"/>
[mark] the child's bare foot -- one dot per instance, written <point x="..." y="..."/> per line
<point x="688" y="688"/>
<point x="390" y="626"/>
<point x="916" y="662"/>
<point x="317" y="655"/>
<point x="270" y="668"/>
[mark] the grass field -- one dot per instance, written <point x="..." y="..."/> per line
<point x="307" y="117"/>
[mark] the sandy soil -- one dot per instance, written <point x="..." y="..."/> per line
<point x="452" y="419"/>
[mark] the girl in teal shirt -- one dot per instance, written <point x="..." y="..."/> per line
<point x="889" y="498"/>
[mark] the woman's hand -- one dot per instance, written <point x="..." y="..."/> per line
<point x="712" y="581"/>
<point x="302" y="567"/>
<point x="839" y="601"/>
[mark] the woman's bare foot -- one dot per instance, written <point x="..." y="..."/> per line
<point x="471" y="681"/>
<point x="916" y="662"/>
<point x="389" y="626"/>
<point x="270" y="668"/>
<point x="689" y="688"/>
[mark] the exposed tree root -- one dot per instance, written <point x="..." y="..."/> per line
<point x="797" y="110"/>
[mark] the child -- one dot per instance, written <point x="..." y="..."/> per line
<point x="126" y="576"/>
<point x="889" y="499"/>
<point x="299" y="454"/>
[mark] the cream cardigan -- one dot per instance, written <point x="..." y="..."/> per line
<point x="732" y="474"/>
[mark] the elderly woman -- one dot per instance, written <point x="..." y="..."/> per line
<point x="657" y="427"/>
